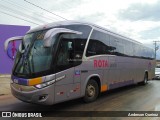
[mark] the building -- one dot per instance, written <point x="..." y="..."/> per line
<point x="7" y="57"/>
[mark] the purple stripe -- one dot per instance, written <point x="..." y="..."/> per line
<point x="121" y="84"/>
<point x="20" y="81"/>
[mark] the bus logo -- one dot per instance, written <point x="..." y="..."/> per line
<point x="77" y="72"/>
<point x="100" y="63"/>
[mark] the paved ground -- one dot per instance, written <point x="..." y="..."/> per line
<point x="5" y="85"/>
<point x="130" y="98"/>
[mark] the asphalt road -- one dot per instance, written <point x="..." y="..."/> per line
<point x="130" y="98"/>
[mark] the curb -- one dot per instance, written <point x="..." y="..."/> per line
<point x="5" y="85"/>
<point x="5" y="76"/>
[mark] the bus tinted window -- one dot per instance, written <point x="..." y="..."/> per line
<point x="128" y="48"/>
<point x="96" y="47"/>
<point x="140" y="51"/>
<point x="120" y="48"/>
<point x="70" y="51"/>
<point x="113" y="45"/>
<point x="79" y="47"/>
<point x="81" y="28"/>
<point x="103" y="43"/>
<point x="98" y="44"/>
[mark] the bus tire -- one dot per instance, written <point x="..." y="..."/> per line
<point x="145" y="81"/>
<point x="91" y="91"/>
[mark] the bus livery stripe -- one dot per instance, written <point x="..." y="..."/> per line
<point x="35" y="81"/>
<point x="20" y="81"/>
<point x="103" y="88"/>
<point x="121" y="84"/>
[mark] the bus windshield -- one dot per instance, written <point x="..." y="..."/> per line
<point x="36" y="57"/>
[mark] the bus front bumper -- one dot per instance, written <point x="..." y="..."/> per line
<point x="28" y="94"/>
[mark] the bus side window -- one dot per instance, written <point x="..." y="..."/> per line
<point x="113" y="46"/>
<point x="98" y="44"/>
<point x="96" y="47"/>
<point x="79" y="48"/>
<point x="65" y="54"/>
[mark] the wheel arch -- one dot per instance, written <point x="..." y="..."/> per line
<point x="146" y="72"/>
<point x="96" y="77"/>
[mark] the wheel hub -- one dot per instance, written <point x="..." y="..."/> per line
<point x="91" y="90"/>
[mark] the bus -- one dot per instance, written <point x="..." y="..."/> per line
<point x="70" y="59"/>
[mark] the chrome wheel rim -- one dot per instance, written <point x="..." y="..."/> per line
<point x="91" y="90"/>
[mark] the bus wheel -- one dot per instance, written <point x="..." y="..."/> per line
<point x="91" y="91"/>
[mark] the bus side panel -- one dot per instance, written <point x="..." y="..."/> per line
<point x="94" y="67"/>
<point x="151" y="69"/>
<point x="65" y="89"/>
<point x="121" y="71"/>
<point x="113" y="73"/>
<point x="152" y="72"/>
<point x="64" y="93"/>
<point x="139" y="70"/>
<point x="141" y="66"/>
<point x="124" y="66"/>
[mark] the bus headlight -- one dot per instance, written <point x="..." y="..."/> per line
<point x="45" y="84"/>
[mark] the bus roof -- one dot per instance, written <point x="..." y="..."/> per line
<point x="70" y="22"/>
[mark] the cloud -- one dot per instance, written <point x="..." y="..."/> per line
<point x="137" y="19"/>
<point x="94" y="17"/>
<point x="151" y="33"/>
<point x="141" y="11"/>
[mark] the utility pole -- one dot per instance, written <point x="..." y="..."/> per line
<point x="156" y="47"/>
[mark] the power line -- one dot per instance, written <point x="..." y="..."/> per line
<point x="45" y="9"/>
<point x="19" y="18"/>
<point x="28" y="10"/>
<point x="21" y="13"/>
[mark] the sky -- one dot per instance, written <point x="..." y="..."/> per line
<point x="137" y="19"/>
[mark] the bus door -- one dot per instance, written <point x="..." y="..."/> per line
<point x="65" y="70"/>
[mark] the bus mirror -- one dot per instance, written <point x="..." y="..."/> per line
<point x="52" y="32"/>
<point x="6" y="43"/>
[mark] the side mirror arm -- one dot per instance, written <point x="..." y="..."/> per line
<point x="6" y="43"/>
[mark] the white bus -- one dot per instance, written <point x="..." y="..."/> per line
<point x="67" y="60"/>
